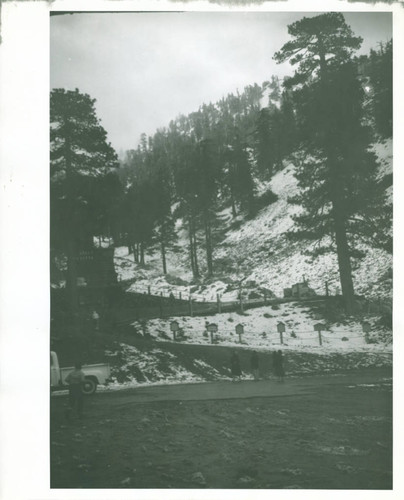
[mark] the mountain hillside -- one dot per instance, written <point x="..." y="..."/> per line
<point x="258" y="252"/>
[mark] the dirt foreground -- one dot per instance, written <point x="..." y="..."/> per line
<point x="329" y="432"/>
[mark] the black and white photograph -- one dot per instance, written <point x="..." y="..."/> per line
<point x="219" y="245"/>
<point x="221" y="250"/>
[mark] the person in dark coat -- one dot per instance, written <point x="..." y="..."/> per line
<point x="75" y="379"/>
<point x="279" y="371"/>
<point x="255" y="365"/>
<point x="235" y="367"/>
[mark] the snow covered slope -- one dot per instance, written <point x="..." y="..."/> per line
<point x="259" y="252"/>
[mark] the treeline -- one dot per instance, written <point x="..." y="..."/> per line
<point x="215" y="157"/>
<point x="201" y="164"/>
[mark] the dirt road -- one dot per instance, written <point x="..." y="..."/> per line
<point x="311" y="432"/>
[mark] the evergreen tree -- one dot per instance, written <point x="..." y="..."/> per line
<point x="81" y="165"/>
<point x="164" y="222"/>
<point x="206" y="172"/>
<point x="244" y="186"/>
<point x="338" y="173"/>
<point x="264" y="148"/>
<point x="318" y="44"/>
<point x="379" y="69"/>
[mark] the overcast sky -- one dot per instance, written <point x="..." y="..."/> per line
<point x="146" y="68"/>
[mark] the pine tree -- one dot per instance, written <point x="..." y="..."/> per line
<point x="318" y="44"/>
<point x="164" y="222"/>
<point x="379" y="69"/>
<point x="82" y="162"/>
<point x="206" y="171"/>
<point x="337" y="177"/>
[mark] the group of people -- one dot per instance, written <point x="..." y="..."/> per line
<point x="277" y="366"/>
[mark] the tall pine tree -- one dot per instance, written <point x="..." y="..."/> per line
<point x="339" y="190"/>
<point x="81" y="161"/>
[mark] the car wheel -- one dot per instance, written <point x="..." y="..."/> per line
<point x="89" y="386"/>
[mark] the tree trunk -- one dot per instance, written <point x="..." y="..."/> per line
<point x="194" y="255"/>
<point x="71" y="282"/>
<point x="142" y="253"/>
<point x="194" y="246"/>
<point x="339" y="217"/>
<point x="208" y="240"/>
<point x="344" y="264"/>
<point x="136" y="252"/>
<point x="191" y="247"/>
<point x="163" y="257"/>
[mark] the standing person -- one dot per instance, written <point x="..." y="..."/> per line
<point x="96" y="320"/>
<point x="75" y="379"/>
<point x="255" y="365"/>
<point x="281" y="368"/>
<point x="235" y="367"/>
<point x="278" y="365"/>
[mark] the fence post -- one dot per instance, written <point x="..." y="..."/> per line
<point x="318" y="327"/>
<point x="191" y="312"/>
<point x="326" y="289"/>
<point x="161" y="305"/>
<point x="219" y="305"/>
<point x="180" y="296"/>
<point x="149" y="290"/>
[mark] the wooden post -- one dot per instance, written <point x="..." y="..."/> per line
<point x="241" y="301"/>
<point x="191" y="312"/>
<point x="180" y="296"/>
<point x="326" y="289"/>
<point x="149" y="290"/>
<point x="219" y="305"/>
<point x="161" y="306"/>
